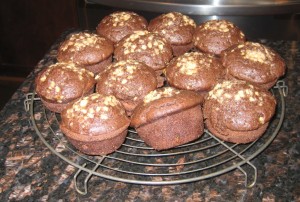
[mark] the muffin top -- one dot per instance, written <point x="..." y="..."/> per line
<point x="145" y="47"/>
<point x="177" y="28"/>
<point x="163" y="102"/>
<point x="253" y="62"/>
<point x="119" y="24"/>
<point x="63" y="82"/>
<point x="240" y="105"/>
<point x="194" y="71"/>
<point x="214" y="36"/>
<point x="85" y="48"/>
<point x="94" y="115"/>
<point x="127" y="80"/>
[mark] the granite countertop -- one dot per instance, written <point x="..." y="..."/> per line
<point x="29" y="171"/>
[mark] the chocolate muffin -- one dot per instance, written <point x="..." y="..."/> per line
<point x="145" y="47"/>
<point x="95" y="124"/>
<point x="128" y="80"/>
<point x="63" y="83"/>
<point x="119" y="24"/>
<point x="253" y="62"/>
<point x="168" y="117"/>
<point x="88" y="50"/>
<point x="238" y="112"/>
<point x="195" y="71"/>
<point x="214" y="36"/>
<point x="177" y="28"/>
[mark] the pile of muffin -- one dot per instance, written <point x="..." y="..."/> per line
<point x="168" y="79"/>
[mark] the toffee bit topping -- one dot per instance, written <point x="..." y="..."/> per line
<point x="247" y="93"/>
<point x="261" y="120"/>
<point x="159" y="93"/>
<point x="52" y="84"/>
<point x="254" y="55"/>
<point x="43" y="78"/>
<point x="141" y="41"/>
<point x="188" y="21"/>
<point x="110" y="101"/>
<point x="81" y="40"/>
<point x="57" y="89"/>
<point x="94" y="105"/>
<point x="185" y="20"/>
<point x="54" y="89"/>
<point x="83" y="103"/>
<point x="218" y="25"/>
<point x="103" y="116"/>
<point x="189" y="68"/>
<point x="191" y="63"/>
<point x="256" y="52"/>
<point x="118" y="18"/>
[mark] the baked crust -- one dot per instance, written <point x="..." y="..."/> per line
<point x="145" y="47"/>
<point x="176" y="28"/>
<point x="253" y="62"/>
<point x="214" y="36"/>
<point x="85" y="48"/>
<point x="237" y="111"/>
<point x="119" y="24"/>
<point x="93" y="119"/>
<point x="195" y="71"/>
<point x="62" y="83"/>
<point x="168" y="117"/>
<point x="129" y="81"/>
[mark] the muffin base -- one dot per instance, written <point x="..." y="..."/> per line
<point x="173" y="130"/>
<point x="239" y="137"/>
<point x="102" y="147"/>
<point x="101" y="144"/>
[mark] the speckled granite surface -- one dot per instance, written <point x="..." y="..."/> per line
<point x="29" y="171"/>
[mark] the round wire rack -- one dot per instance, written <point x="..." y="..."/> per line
<point x="135" y="162"/>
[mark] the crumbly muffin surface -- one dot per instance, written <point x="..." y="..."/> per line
<point x="194" y="71"/>
<point x="214" y="36"/>
<point x="145" y="47"/>
<point x="119" y="24"/>
<point x="85" y="48"/>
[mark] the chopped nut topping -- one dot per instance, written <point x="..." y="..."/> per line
<point x="190" y="64"/>
<point x="171" y="17"/>
<point x="256" y="56"/>
<point x="157" y="94"/>
<point x="248" y="93"/>
<point x="217" y="25"/>
<point x="255" y="52"/>
<point x="121" y="16"/>
<point x="83" y="103"/>
<point x="43" y="78"/>
<point x="110" y="101"/>
<point x="57" y="89"/>
<point x="103" y="116"/>
<point x="261" y="120"/>
<point x="141" y="41"/>
<point x="81" y="40"/>
<point x="94" y="105"/>
<point x="52" y="85"/>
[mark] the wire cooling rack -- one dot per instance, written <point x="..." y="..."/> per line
<point x="135" y="162"/>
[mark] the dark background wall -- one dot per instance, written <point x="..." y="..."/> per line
<point x="28" y="28"/>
